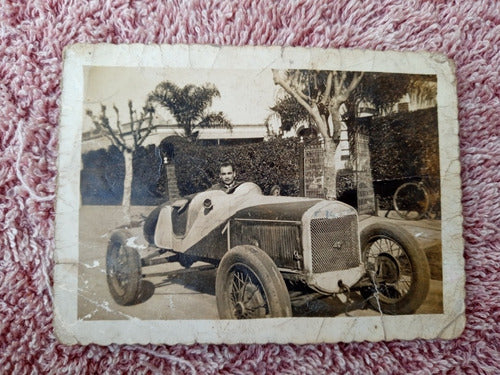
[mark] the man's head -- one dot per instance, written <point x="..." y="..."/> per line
<point x="227" y="174"/>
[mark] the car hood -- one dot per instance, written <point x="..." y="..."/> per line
<point x="277" y="208"/>
<point x="246" y="202"/>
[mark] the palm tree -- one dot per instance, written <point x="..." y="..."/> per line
<point x="189" y="106"/>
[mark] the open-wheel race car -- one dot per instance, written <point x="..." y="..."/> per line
<point x="261" y="245"/>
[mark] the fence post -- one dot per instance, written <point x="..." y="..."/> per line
<point x="301" y="171"/>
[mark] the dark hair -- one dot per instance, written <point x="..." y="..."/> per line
<point x="226" y="163"/>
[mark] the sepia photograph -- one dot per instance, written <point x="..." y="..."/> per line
<point x="238" y="193"/>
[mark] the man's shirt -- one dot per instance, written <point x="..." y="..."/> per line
<point x="228" y="189"/>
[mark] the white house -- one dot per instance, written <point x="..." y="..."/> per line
<point x="93" y="140"/>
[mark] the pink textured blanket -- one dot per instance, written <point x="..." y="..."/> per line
<point x="32" y="37"/>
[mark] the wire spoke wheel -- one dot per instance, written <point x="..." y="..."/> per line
<point x="118" y="272"/>
<point x="397" y="267"/>
<point x="391" y="267"/>
<point x="248" y="286"/>
<point x="123" y="270"/>
<point x="247" y="297"/>
<point x="411" y="201"/>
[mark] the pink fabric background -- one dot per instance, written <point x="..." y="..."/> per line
<point x="32" y="38"/>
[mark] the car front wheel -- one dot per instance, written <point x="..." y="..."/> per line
<point x="249" y="285"/>
<point x="123" y="270"/>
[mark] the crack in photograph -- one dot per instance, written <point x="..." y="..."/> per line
<point x="240" y="194"/>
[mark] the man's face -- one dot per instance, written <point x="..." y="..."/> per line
<point x="227" y="175"/>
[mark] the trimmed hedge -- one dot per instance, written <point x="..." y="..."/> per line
<point x="275" y="162"/>
<point x="402" y="146"/>
<point x="147" y="185"/>
<point x="101" y="179"/>
<point x="405" y="145"/>
<point x="197" y="168"/>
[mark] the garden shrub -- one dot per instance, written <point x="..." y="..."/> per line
<point x="405" y="145"/>
<point x="147" y="188"/>
<point x="402" y="146"/>
<point x="346" y="189"/>
<point x="274" y="162"/>
<point x="101" y="179"/>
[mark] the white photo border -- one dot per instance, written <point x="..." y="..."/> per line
<point x="70" y="330"/>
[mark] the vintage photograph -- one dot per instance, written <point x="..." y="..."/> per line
<point x="228" y="193"/>
<point x="238" y="194"/>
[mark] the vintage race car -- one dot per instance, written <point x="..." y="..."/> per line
<point x="262" y="245"/>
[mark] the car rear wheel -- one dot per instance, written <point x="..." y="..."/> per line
<point x="123" y="270"/>
<point x="397" y="267"/>
<point x="249" y="285"/>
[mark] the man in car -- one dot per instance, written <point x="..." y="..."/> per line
<point x="227" y="184"/>
<point x="227" y="176"/>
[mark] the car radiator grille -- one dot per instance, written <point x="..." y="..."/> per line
<point x="334" y="244"/>
<point x="279" y="241"/>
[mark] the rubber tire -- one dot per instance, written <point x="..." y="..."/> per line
<point x="419" y="288"/>
<point x="420" y="215"/>
<point x="264" y="269"/>
<point x="130" y="293"/>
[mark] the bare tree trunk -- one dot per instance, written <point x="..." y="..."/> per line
<point x="330" y="170"/>
<point x="127" y="186"/>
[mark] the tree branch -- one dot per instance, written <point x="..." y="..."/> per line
<point x="336" y="83"/>
<point x="312" y="110"/>
<point x="325" y="119"/>
<point x="132" y="122"/>
<point x="341" y="96"/>
<point x="294" y="79"/>
<point x="300" y="98"/>
<point x="354" y="82"/>
<point x="118" y="120"/>
<point x="328" y="89"/>
<point x="105" y="124"/>
<point x="148" y="130"/>
<point x="303" y="96"/>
